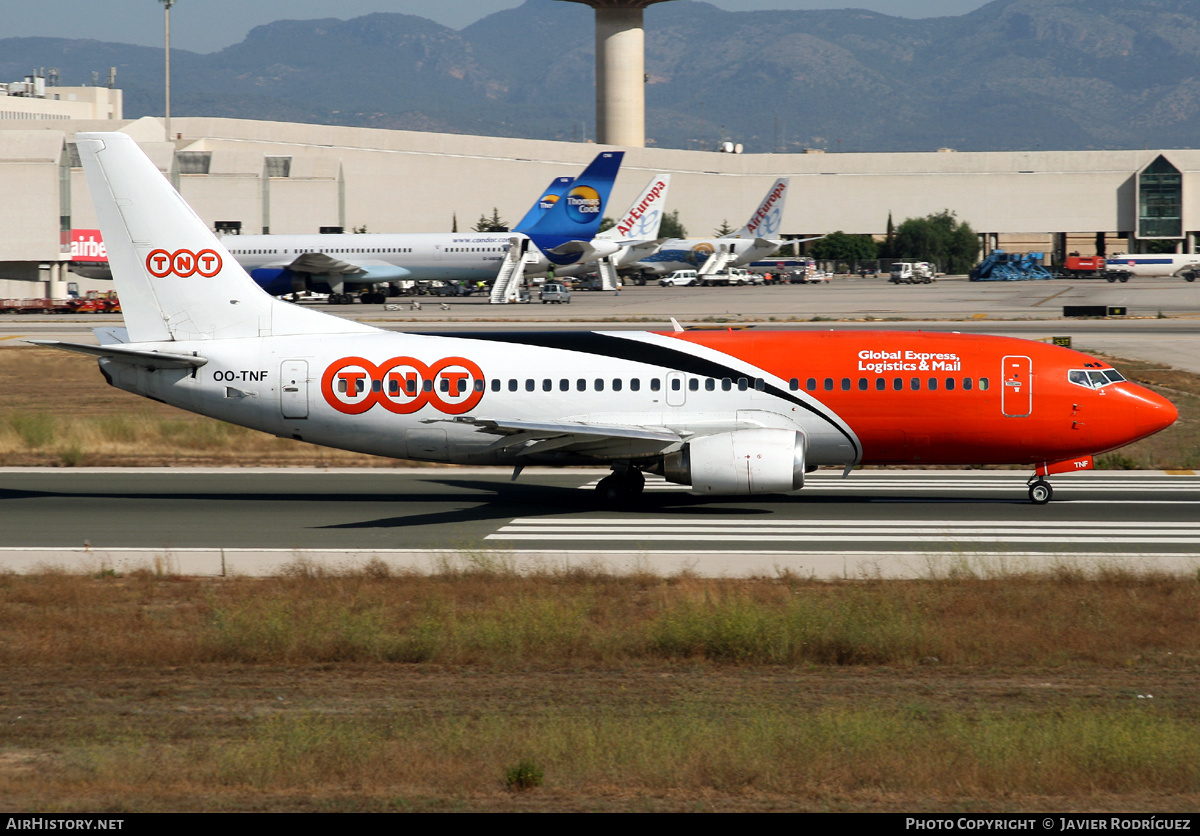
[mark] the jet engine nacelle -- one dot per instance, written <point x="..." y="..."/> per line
<point x="740" y="463"/>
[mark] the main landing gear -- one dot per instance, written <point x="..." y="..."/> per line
<point x="1040" y="491"/>
<point x="621" y="487"/>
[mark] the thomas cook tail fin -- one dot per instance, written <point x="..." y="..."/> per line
<point x="175" y="278"/>
<point x="549" y="197"/>
<point x="577" y="214"/>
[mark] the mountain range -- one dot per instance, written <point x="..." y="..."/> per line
<point x="1012" y="75"/>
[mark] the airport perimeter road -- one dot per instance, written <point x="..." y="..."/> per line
<point x="874" y="524"/>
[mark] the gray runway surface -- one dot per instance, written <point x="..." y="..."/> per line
<point x="874" y="524"/>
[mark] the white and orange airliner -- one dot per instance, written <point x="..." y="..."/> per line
<point x="728" y="413"/>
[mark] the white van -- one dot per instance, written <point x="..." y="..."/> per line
<point x="679" y="277"/>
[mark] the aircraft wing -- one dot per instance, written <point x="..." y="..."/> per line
<point x="575" y="437"/>
<point x="320" y="264"/>
<point x="587" y="250"/>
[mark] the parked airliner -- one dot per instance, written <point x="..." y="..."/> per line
<point x="560" y="226"/>
<point x="726" y="412"/>
<point x="757" y="239"/>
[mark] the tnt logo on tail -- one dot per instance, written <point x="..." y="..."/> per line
<point x="183" y="263"/>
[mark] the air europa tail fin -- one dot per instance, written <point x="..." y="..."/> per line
<point x="644" y="216"/>
<point x="767" y="219"/>
<point x="553" y="192"/>
<point x="175" y="278"/>
<point x="576" y="216"/>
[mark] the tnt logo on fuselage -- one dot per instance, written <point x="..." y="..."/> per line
<point x="183" y="263"/>
<point x="402" y="385"/>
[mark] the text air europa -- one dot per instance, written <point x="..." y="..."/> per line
<point x="625" y="225"/>
<point x="765" y="209"/>
<point x="908" y="361"/>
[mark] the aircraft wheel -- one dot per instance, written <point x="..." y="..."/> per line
<point x="1124" y="278"/>
<point x="1040" y="492"/>
<point x="620" y="489"/>
<point x="1191" y="277"/>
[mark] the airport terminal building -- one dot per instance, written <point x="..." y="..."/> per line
<point x="277" y="177"/>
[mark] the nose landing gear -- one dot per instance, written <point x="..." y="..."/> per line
<point x="1040" y="491"/>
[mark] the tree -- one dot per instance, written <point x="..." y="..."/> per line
<point x="606" y="223"/>
<point x="671" y="227"/>
<point x="840" y="246"/>
<point x="723" y="229"/>
<point x="939" y="238"/>
<point x="493" y="224"/>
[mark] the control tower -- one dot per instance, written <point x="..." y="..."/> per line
<point x="620" y="71"/>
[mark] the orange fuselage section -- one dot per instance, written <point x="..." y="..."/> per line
<point x="930" y="398"/>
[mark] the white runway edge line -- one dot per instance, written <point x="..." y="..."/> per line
<point x="849" y="564"/>
<point x="851" y="531"/>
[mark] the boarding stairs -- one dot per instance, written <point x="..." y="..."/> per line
<point x="607" y="271"/>
<point x="1000" y="266"/>
<point x="717" y="262"/>
<point x="507" y="287"/>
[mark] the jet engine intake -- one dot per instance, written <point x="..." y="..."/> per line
<point x="740" y="463"/>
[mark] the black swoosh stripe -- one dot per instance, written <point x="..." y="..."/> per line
<point x="606" y="345"/>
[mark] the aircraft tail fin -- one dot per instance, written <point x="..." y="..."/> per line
<point x="767" y="219"/>
<point x="558" y="186"/>
<point x="643" y="218"/>
<point x="576" y="215"/>
<point x="175" y="278"/>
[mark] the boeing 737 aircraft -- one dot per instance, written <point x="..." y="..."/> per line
<point x="737" y="249"/>
<point x="726" y="412"/>
<point x="1160" y="265"/>
<point x="566" y="217"/>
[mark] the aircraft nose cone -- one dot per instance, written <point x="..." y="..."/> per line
<point x="1154" y="413"/>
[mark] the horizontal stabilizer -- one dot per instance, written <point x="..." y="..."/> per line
<point x="138" y="357"/>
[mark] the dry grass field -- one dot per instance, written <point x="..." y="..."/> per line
<point x="483" y="691"/>
<point x="480" y="690"/>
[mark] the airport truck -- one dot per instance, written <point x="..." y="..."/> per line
<point x="912" y="272"/>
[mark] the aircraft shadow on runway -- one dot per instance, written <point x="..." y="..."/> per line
<point x="492" y="501"/>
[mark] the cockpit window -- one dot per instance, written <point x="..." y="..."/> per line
<point x="1094" y="379"/>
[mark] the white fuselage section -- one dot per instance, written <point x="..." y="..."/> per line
<point x="466" y="256"/>
<point x="412" y="396"/>
<point x="692" y="253"/>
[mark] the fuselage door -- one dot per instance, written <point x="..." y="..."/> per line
<point x="1016" y="397"/>
<point x="293" y="388"/>
<point x="676" y="388"/>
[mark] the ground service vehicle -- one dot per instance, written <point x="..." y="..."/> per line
<point x="911" y="272"/>
<point x="554" y="292"/>
<point x="726" y="412"/>
<point x="684" y="278"/>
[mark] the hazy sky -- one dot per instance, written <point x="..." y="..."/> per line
<point x="209" y="25"/>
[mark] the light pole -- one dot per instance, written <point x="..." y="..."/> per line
<point x="167" y="4"/>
